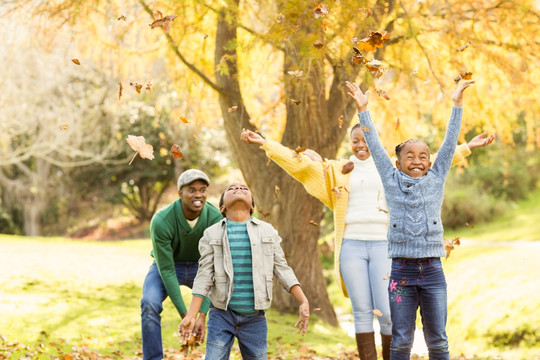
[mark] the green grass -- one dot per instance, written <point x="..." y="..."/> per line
<point x="521" y="222"/>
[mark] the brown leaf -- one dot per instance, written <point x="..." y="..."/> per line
<point x="122" y="17"/>
<point x="120" y="88"/>
<point x="320" y="10"/>
<point x="465" y="75"/>
<point x="176" y="152"/>
<point x="397" y="123"/>
<point x="76" y="61"/>
<point x="261" y="211"/>
<point x="276" y="192"/>
<point x="296" y="102"/>
<point x="148" y="87"/>
<point x="205" y="36"/>
<point x="357" y="57"/>
<point x="313" y="223"/>
<point x="375" y="67"/>
<point x="463" y="47"/>
<point x="324" y="25"/>
<point x="374" y="40"/>
<point x="365" y="128"/>
<point x="138" y="143"/>
<point x="366" y="12"/>
<point x="449" y="245"/>
<point x="318" y="44"/>
<point x="232" y="108"/>
<point x="163" y="22"/>
<point x="347" y="168"/>
<point x="382" y="94"/>
<point x="184" y="120"/>
<point x="340" y="122"/>
<point x="377" y="312"/>
<point x="137" y="86"/>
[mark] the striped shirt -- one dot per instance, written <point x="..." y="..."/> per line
<point x="242" y="300"/>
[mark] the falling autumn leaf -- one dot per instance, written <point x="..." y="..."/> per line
<point x="382" y="94"/>
<point x="148" y="87"/>
<point x="463" y="47"/>
<point x="320" y="10"/>
<point x="184" y="120"/>
<point x="355" y="41"/>
<point x="374" y="40"/>
<point x="163" y="22"/>
<point x="375" y="67"/>
<point x="280" y="17"/>
<point x="324" y="25"/>
<point x="122" y="17"/>
<point x="387" y="277"/>
<point x="427" y="81"/>
<point x="296" y="102"/>
<point x="176" y="152"/>
<point x="397" y="123"/>
<point x="205" y="36"/>
<point x="366" y="12"/>
<point x="357" y="57"/>
<point x="313" y="223"/>
<point x="76" y="61"/>
<point x="137" y="86"/>
<point x="377" y="312"/>
<point x="296" y="73"/>
<point x="120" y="88"/>
<point x="318" y="44"/>
<point x="414" y="72"/>
<point x="469" y="225"/>
<point x="63" y="126"/>
<point x="340" y="122"/>
<point x="232" y="108"/>
<point x="365" y="128"/>
<point x="276" y="192"/>
<point x="465" y="75"/>
<point x="450" y="244"/>
<point x="138" y="143"/>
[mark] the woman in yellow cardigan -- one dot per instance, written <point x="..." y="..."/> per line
<point x="353" y="190"/>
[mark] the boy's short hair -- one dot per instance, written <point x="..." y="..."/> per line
<point x="223" y="195"/>
<point x="400" y="147"/>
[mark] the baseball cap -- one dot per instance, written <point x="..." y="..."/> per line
<point x="189" y="176"/>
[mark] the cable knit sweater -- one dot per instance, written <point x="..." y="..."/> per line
<point x="415" y="229"/>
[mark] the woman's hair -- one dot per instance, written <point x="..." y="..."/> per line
<point x="400" y="147"/>
<point x="223" y="195"/>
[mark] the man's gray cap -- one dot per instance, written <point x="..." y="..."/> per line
<point x="189" y="176"/>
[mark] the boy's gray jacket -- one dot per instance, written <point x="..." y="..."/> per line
<point x="215" y="275"/>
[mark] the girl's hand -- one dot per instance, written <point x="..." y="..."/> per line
<point x="480" y="141"/>
<point x="303" y="319"/>
<point x="252" y="138"/>
<point x="360" y="98"/>
<point x="458" y="94"/>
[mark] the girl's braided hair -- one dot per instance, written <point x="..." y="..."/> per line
<point x="400" y="147"/>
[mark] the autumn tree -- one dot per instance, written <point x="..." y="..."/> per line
<point x="307" y="51"/>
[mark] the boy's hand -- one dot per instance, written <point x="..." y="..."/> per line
<point x="360" y="98"/>
<point x="199" y="330"/>
<point x="458" y="94"/>
<point x="185" y="329"/>
<point x="480" y="140"/>
<point x="303" y="319"/>
<point x="252" y="138"/>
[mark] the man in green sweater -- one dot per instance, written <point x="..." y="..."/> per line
<point x="175" y="230"/>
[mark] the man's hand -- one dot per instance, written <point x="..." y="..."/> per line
<point x="360" y="98"/>
<point x="185" y="329"/>
<point x="252" y="138"/>
<point x="480" y="140"/>
<point x="303" y="319"/>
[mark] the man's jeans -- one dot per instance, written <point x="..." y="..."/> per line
<point x="224" y="325"/>
<point x="154" y="294"/>
<point x="418" y="283"/>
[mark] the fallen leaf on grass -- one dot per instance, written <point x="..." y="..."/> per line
<point x="138" y="143"/>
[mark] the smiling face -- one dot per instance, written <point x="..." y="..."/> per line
<point x="193" y="198"/>
<point x="358" y="144"/>
<point x="413" y="159"/>
<point x="237" y="195"/>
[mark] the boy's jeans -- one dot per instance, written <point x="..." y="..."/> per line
<point x="224" y="325"/>
<point x="418" y="283"/>
<point x="154" y="294"/>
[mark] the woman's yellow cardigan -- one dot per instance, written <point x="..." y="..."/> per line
<point x="325" y="181"/>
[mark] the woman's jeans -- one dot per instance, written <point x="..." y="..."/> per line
<point x="418" y="283"/>
<point x="365" y="267"/>
<point x="224" y="325"/>
<point x="154" y="294"/>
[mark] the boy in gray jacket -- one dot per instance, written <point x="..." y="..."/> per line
<point x="239" y="257"/>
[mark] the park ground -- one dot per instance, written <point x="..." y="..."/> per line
<point x="79" y="299"/>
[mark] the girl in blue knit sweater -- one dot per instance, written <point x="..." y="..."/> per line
<point x="414" y="195"/>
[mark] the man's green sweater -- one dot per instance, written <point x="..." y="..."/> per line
<point x="173" y="240"/>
